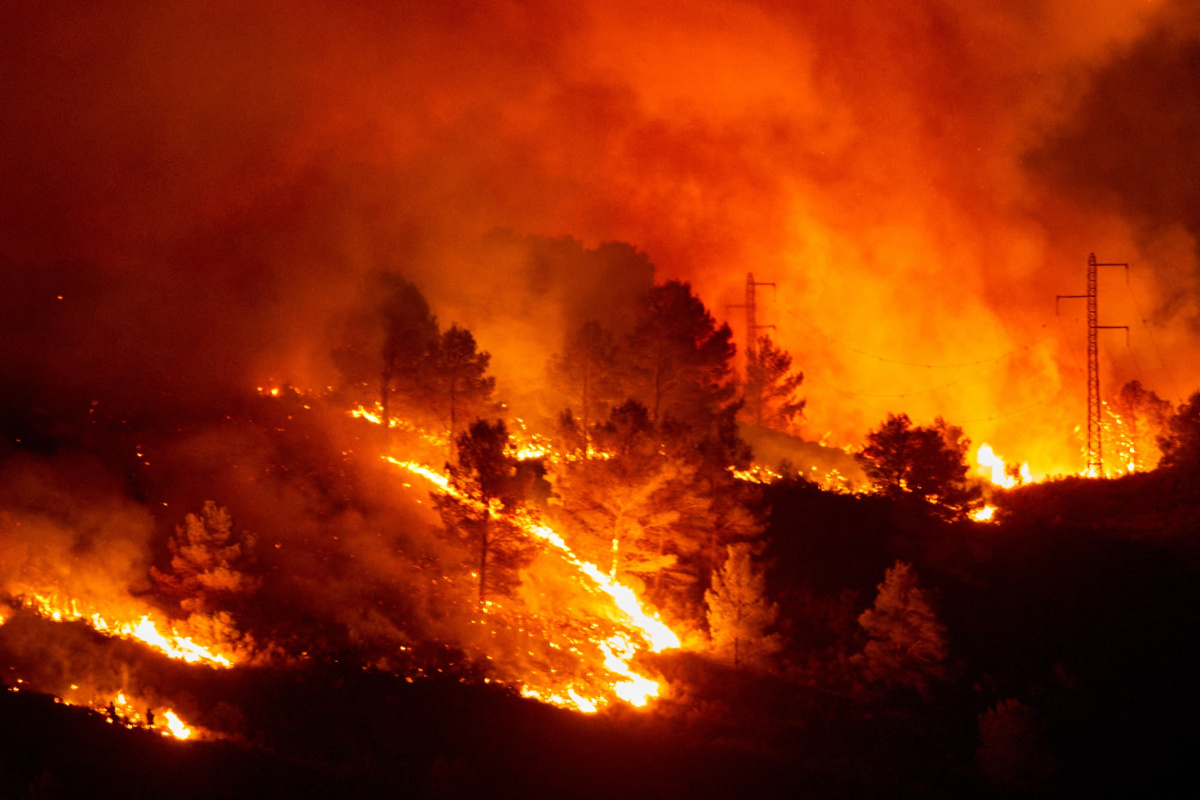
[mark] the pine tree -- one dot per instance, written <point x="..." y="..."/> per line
<point x="925" y="462"/>
<point x="410" y="333"/>
<point x="488" y="488"/>
<point x="624" y="510"/>
<point x="739" y="612"/>
<point x="208" y="559"/>
<point x="586" y="371"/>
<point x="907" y="643"/>
<point x="678" y="358"/>
<point x="771" y="386"/>
<point x="385" y="344"/>
<point x="459" y="388"/>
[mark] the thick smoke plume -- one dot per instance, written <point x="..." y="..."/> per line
<point x="205" y="185"/>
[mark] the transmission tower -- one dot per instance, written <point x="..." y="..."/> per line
<point x="1095" y="447"/>
<point x="752" y="326"/>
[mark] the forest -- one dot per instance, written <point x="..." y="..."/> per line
<point x="630" y="576"/>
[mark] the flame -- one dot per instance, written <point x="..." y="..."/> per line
<point x="992" y="467"/>
<point x="618" y="650"/>
<point x="375" y="417"/>
<point x="637" y="690"/>
<point x="175" y="725"/>
<point x="143" y="629"/>
<point x="985" y="514"/>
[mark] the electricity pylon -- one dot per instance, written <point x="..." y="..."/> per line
<point x="752" y="326"/>
<point x="1095" y="446"/>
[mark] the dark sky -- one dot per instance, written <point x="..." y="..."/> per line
<point x="205" y="182"/>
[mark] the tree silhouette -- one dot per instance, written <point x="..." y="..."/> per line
<point x="586" y="371"/>
<point x="678" y="359"/>
<point x="907" y="642"/>
<point x="739" y="611"/>
<point x="925" y="462"/>
<point x="387" y="342"/>
<point x="410" y="332"/>
<point x="458" y="385"/>
<point x="488" y="486"/>
<point x="1180" y="442"/>
<point x="770" y="389"/>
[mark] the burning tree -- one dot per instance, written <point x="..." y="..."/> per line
<point x="926" y="462"/>
<point x="1140" y="417"/>
<point x="208" y="562"/>
<point x="739" y="612"/>
<point x="626" y="508"/>
<point x="487" y="491"/>
<point x="771" y="386"/>
<point x="907" y="642"/>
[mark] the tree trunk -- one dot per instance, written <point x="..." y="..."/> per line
<point x="385" y="394"/>
<point x="483" y="559"/>
<point x="584" y="410"/>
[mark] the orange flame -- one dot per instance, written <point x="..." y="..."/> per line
<point x="143" y="629"/>
<point x="992" y="467"/>
<point x="618" y="650"/>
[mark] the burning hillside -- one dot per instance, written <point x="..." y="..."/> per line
<point x="615" y="363"/>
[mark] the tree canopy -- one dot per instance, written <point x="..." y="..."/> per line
<point x="1137" y="418"/>
<point x="925" y="462"/>
<point x="679" y="359"/>
<point x="488" y="487"/>
<point x="907" y="643"/>
<point x="586" y="372"/>
<point x="209" y="562"/>
<point x="739" y="611"/>
<point x="456" y="380"/>
<point x="771" y="386"/>
<point x="1180" y="442"/>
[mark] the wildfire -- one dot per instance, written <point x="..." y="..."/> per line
<point x="756" y="474"/>
<point x="993" y="468"/>
<point x="175" y="725"/>
<point x="618" y="650"/>
<point x="375" y="417"/>
<point x="143" y="629"/>
<point x="985" y="514"/>
<point x="122" y="711"/>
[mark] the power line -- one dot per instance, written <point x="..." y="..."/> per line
<point x="851" y="347"/>
<point x="1146" y="325"/>
<point x="994" y="417"/>
<point x="955" y="382"/>
<point x="1015" y="411"/>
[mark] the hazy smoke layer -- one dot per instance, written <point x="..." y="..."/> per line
<point x="204" y="184"/>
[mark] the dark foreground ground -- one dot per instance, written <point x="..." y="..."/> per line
<point x="1081" y="611"/>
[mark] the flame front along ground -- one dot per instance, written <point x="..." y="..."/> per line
<point x="618" y="650"/>
<point x="142" y="628"/>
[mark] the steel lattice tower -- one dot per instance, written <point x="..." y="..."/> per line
<point x="752" y="326"/>
<point x="1095" y="406"/>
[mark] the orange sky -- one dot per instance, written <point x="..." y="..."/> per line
<point x="919" y="178"/>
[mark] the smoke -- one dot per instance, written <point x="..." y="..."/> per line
<point x="65" y="525"/>
<point x="206" y="185"/>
